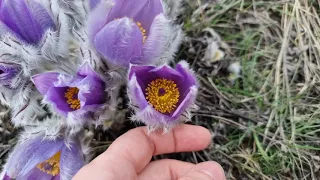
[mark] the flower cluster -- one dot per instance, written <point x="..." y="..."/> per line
<point x="64" y="64"/>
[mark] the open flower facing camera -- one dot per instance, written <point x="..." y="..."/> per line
<point x="161" y="95"/>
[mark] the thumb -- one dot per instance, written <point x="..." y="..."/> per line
<point x="205" y="171"/>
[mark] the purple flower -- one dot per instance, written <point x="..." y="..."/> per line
<point x="44" y="159"/>
<point x="130" y="31"/>
<point x="26" y="19"/>
<point x="8" y="72"/>
<point x="76" y="97"/>
<point x="162" y="95"/>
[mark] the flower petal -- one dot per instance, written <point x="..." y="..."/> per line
<point x="98" y="18"/>
<point x="143" y="11"/>
<point x="40" y="15"/>
<point x="142" y="73"/>
<point x="136" y="93"/>
<point x="45" y="81"/>
<point x="160" y="36"/>
<point x="92" y="91"/>
<point x="29" y="154"/>
<point x="86" y="70"/>
<point x="35" y="173"/>
<point x="56" y="96"/>
<point x="153" y="118"/>
<point x="94" y="3"/>
<point x="189" y="79"/>
<point x="72" y="160"/>
<point x="120" y="42"/>
<point x="29" y="21"/>
<point x="188" y="100"/>
<point x="4" y="29"/>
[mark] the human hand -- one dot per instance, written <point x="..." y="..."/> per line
<point x="129" y="157"/>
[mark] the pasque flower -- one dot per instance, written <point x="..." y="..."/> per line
<point x="8" y="72"/>
<point x="37" y="158"/>
<point x="129" y="31"/>
<point x="76" y="97"/>
<point x="162" y="95"/>
<point x="25" y="19"/>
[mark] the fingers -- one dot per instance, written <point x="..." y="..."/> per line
<point x="205" y="171"/>
<point x="137" y="146"/>
<point x="173" y="169"/>
<point x="165" y="169"/>
<point x="131" y="152"/>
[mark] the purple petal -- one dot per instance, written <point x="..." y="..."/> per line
<point x="72" y="160"/>
<point x="157" y="40"/>
<point x="120" y="42"/>
<point x="187" y="101"/>
<point x="86" y="70"/>
<point x="35" y="173"/>
<point x="143" y="11"/>
<point x="29" y="154"/>
<point x="136" y="93"/>
<point x="56" y="96"/>
<point x="41" y="15"/>
<point x="188" y="76"/>
<point x="93" y="91"/>
<point x="146" y="74"/>
<point x="6" y="177"/>
<point x="29" y="21"/>
<point x="141" y="76"/>
<point x="94" y="3"/>
<point x="151" y="117"/>
<point x="165" y="72"/>
<point x="139" y="70"/>
<point x="98" y="19"/>
<point x="4" y="29"/>
<point x="56" y="177"/>
<point x="45" y="81"/>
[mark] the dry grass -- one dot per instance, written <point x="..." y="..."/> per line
<point x="266" y="123"/>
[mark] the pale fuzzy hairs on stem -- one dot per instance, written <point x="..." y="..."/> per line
<point x="27" y="56"/>
<point x="25" y="105"/>
<point x="172" y="8"/>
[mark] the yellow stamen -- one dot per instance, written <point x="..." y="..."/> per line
<point x="72" y="99"/>
<point x="163" y="95"/>
<point x="51" y="166"/>
<point x="143" y="31"/>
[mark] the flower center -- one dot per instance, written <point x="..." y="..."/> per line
<point x="52" y="165"/>
<point x="163" y="95"/>
<point x="143" y="31"/>
<point x="72" y="98"/>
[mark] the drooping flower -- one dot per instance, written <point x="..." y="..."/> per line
<point x="75" y="97"/>
<point x="8" y="72"/>
<point x="132" y="31"/>
<point x="25" y="19"/>
<point x="162" y="95"/>
<point x="37" y="158"/>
